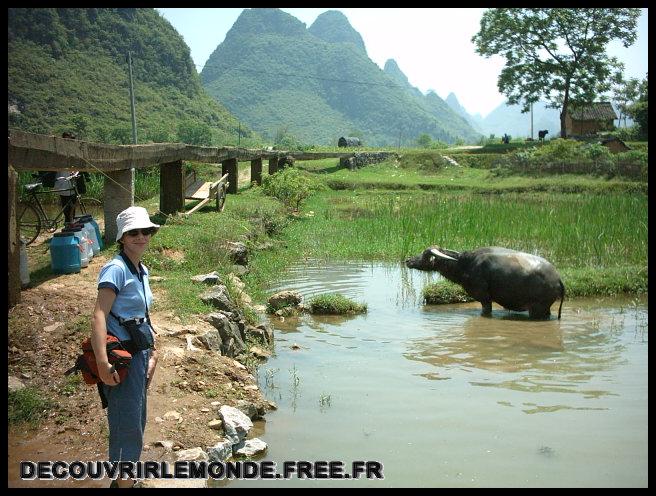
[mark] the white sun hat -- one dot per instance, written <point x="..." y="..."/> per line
<point x="132" y="218"/>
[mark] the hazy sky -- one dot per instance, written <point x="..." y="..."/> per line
<point x="432" y="47"/>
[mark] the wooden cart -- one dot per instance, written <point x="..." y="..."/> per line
<point x="205" y="191"/>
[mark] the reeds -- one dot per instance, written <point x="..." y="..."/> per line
<point x="575" y="230"/>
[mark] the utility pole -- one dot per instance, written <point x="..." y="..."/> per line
<point x="399" y="147"/>
<point x="134" y="116"/>
<point x="531" y="120"/>
<point x="239" y="135"/>
<point x="134" y="124"/>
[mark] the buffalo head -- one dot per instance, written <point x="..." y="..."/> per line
<point x="433" y="258"/>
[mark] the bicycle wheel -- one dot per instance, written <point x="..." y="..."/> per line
<point x="29" y="221"/>
<point x="90" y="205"/>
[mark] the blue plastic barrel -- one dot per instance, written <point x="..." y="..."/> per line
<point x="82" y="242"/>
<point x="89" y="217"/>
<point x="86" y="253"/>
<point x="65" y="253"/>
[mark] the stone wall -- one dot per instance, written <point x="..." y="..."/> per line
<point x="365" y="158"/>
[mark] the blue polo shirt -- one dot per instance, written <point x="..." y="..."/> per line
<point x="132" y="290"/>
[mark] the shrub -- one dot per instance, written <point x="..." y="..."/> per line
<point x="194" y="133"/>
<point x="335" y="304"/>
<point x="632" y="164"/>
<point x="438" y="145"/>
<point x="290" y="186"/>
<point x="561" y="156"/>
<point x="445" y="292"/>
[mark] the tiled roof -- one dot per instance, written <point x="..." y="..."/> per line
<point x="597" y="111"/>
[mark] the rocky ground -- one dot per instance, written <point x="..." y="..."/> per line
<point x="189" y="386"/>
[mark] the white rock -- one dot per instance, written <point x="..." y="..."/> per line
<point x="50" y="328"/>
<point x="193" y="454"/>
<point x="221" y="451"/>
<point x="236" y="423"/>
<point x="167" y="444"/>
<point x="14" y="383"/>
<point x="252" y="447"/>
<point x="172" y="415"/>
<point x="215" y="424"/>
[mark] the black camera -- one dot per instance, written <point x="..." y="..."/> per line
<point x="142" y="340"/>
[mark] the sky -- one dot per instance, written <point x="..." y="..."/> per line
<point x="432" y="47"/>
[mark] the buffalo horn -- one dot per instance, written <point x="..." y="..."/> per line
<point x="438" y="253"/>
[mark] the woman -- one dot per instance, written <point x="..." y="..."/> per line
<point x="124" y="297"/>
<point x="65" y="188"/>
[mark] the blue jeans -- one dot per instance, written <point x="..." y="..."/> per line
<point x="126" y="411"/>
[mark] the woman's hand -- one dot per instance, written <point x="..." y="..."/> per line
<point x="152" y="363"/>
<point x="108" y="374"/>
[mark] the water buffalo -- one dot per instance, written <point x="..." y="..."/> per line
<point x="542" y="134"/>
<point x="515" y="280"/>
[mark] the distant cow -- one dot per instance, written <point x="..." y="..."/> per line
<point x="542" y="134"/>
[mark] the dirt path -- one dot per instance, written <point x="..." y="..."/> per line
<point x="45" y="331"/>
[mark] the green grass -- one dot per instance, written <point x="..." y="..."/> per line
<point x="579" y="282"/>
<point x="27" y="405"/>
<point x="433" y="174"/>
<point x="335" y="304"/>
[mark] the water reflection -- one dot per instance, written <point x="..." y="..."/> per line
<point x="318" y="323"/>
<point x="533" y="356"/>
<point x="318" y="277"/>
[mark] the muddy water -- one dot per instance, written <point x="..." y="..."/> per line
<point x="444" y="397"/>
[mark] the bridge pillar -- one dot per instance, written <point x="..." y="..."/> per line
<point x="256" y="171"/>
<point x="171" y="187"/>
<point x="273" y="165"/>
<point x="118" y="195"/>
<point x="13" y="254"/>
<point x="230" y="167"/>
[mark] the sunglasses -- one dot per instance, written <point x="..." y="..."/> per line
<point x="149" y="231"/>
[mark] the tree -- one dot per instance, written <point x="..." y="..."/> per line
<point x="558" y="54"/>
<point x="195" y="133"/>
<point x="639" y="110"/>
<point x="625" y="93"/>
<point x="424" y="140"/>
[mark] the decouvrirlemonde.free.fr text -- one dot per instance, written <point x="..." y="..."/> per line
<point x="301" y="469"/>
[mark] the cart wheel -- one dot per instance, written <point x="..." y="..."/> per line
<point x="221" y="197"/>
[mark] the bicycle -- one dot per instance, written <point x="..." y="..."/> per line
<point x="32" y="217"/>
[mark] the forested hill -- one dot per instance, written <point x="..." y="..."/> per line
<point x="333" y="26"/>
<point x="433" y="104"/>
<point x="67" y="70"/>
<point x="452" y="101"/>
<point x="315" y="85"/>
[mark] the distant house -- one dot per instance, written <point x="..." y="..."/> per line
<point x="349" y="141"/>
<point x="615" y="145"/>
<point x="588" y="119"/>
